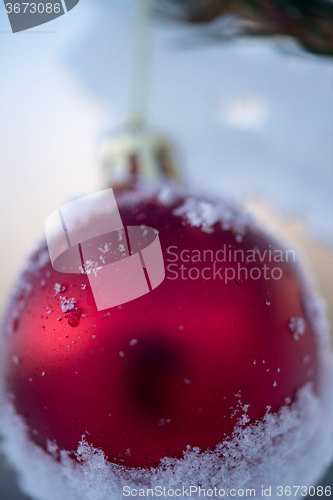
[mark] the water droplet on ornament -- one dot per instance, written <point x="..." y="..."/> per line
<point x="238" y="281"/>
<point x="306" y="359"/>
<point x="43" y="373"/>
<point x="121" y="354"/>
<point x="74" y="318"/>
<point x="268" y="302"/>
<point x="274" y="384"/>
<point x="133" y="342"/>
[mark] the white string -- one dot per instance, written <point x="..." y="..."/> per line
<point x="140" y="63"/>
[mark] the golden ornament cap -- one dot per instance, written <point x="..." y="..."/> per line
<point x="137" y="155"/>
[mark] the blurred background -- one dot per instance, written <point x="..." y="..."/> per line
<point x="251" y="119"/>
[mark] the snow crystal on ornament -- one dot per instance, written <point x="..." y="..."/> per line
<point x="198" y="214"/>
<point x="67" y="304"/>
<point x="205" y="214"/>
<point x="293" y="446"/>
<point x="297" y="327"/>
<point x="60" y="288"/>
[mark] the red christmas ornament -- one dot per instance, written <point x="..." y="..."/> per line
<point x="224" y="340"/>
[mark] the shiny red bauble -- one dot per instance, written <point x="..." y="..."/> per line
<point x="225" y="338"/>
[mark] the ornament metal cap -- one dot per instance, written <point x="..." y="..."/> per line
<point x="137" y="154"/>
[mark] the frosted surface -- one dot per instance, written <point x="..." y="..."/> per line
<point x="293" y="447"/>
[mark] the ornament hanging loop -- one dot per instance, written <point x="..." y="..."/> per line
<point x="138" y="152"/>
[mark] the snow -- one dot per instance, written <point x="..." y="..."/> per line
<point x="204" y="214"/>
<point x="194" y="207"/>
<point x="292" y="447"/>
<point x="297" y="327"/>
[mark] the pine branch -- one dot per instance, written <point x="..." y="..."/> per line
<point x="308" y="21"/>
